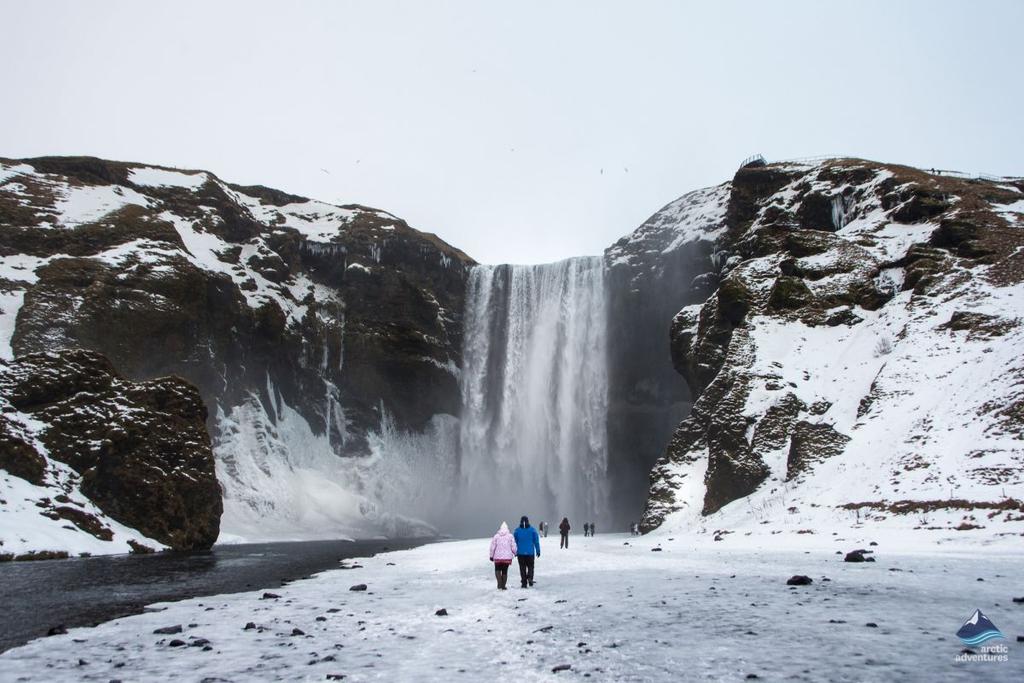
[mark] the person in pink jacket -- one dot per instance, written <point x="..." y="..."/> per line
<point x="503" y="551"/>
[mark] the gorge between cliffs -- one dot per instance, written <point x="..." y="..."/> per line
<point x="337" y="373"/>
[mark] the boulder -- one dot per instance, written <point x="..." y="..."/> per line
<point x="140" y="449"/>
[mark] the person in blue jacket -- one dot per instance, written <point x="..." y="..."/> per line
<point x="527" y="546"/>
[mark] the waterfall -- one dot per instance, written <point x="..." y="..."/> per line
<point x="532" y="435"/>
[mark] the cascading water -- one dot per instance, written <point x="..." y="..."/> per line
<point x="533" y="434"/>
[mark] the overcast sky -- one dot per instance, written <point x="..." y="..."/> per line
<point x="517" y="131"/>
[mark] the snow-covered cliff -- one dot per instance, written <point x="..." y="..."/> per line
<point x="307" y="327"/>
<point x="859" y="361"/>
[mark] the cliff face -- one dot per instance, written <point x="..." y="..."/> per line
<point x="860" y="354"/>
<point x="95" y="463"/>
<point x="303" y="324"/>
<point x="663" y="265"/>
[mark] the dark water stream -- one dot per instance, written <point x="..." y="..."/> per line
<point x="36" y="596"/>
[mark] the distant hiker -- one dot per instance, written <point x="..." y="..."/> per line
<point x="586" y="529"/>
<point x="503" y="549"/>
<point x="633" y="528"/>
<point x="593" y="530"/>
<point x="528" y="545"/>
<point x="543" y="528"/>
<point x="563" y="529"/>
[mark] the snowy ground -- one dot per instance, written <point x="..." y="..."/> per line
<point x="609" y="607"/>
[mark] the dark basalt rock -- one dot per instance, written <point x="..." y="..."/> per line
<point x="859" y="556"/>
<point x="141" y="449"/>
<point x="399" y="327"/>
<point x="799" y="580"/>
<point x="812" y="443"/>
<point x="789" y="293"/>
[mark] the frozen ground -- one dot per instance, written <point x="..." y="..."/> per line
<point x="609" y="607"/>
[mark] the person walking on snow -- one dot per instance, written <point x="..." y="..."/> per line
<point x="527" y="544"/>
<point x="563" y="529"/>
<point x="503" y="549"/>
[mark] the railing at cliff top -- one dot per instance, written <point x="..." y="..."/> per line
<point x="753" y="159"/>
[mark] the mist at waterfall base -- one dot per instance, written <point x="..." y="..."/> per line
<point x="532" y="436"/>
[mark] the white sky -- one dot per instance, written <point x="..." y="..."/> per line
<point x="490" y="123"/>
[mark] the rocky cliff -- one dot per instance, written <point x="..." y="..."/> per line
<point x="665" y="264"/>
<point x="858" y="359"/>
<point x="95" y="463"/>
<point x="304" y="325"/>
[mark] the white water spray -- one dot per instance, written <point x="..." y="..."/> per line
<point x="533" y="436"/>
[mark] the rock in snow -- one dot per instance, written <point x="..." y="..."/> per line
<point x="109" y="461"/>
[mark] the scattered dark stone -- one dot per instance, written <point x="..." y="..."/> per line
<point x="544" y="629"/>
<point x="358" y="587"/>
<point x="580" y="644"/>
<point x="168" y="630"/>
<point x="869" y="559"/>
<point x="559" y="602"/>
<point x="321" y="618"/>
<point x="1018" y="600"/>
<point x="1020" y="639"/>
<point x="967" y="651"/>
<point x="799" y="580"/>
<point x="270" y="596"/>
<point x="390" y="564"/>
<point x="177" y="642"/>
<point x="59" y="630"/>
<point x="871" y="624"/>
<point x="872" y="543"/>
<point x="199" y="642"/>
<point x="561" y="667"/>
<point x="655" y="550"/>
<point x="751" y="677"/>
<point x="82" y="662"/>
<point x="335" y="677"/>
<point x="441" y="613"/>
<point x="298" y="632"/>
<point x="837" y="621"/>
<point x="333" y="610"/>
<point x="249" y="626"/>
<point x="855" y="556"/>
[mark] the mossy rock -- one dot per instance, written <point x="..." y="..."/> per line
<point x="789" y="293"/>
<point x="734" y="300"/>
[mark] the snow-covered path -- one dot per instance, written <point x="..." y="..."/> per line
<point x="610" y="610"/>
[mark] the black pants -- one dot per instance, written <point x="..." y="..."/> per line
<point x="501" y="573"/>
<point x="564" y="543"/>
<point x="525" y="569"/>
